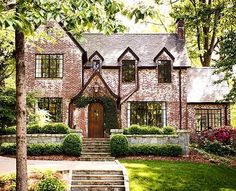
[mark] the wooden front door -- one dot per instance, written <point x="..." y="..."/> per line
<point x="95" y="121"/>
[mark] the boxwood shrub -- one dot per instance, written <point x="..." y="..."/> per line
<point x="33" y="149"/>
<point x="72" y="145"/>
<point x="51" y="184"/>
<point x="154" y="149"/>
<point x="51" y="128"/>
<point x="149" y="130"/>
<point x="119" y="145"/>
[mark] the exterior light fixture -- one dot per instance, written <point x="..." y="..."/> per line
<point x="96" y="88"/>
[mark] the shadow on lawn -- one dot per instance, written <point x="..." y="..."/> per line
<point x="183" y="176"/>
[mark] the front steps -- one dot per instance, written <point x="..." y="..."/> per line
<point x="97" y="180"/>
<point x="96" y="149"/>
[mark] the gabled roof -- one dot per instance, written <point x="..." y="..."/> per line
<point x="146" y="46"/>
<point x="201" y="87"/>
<point x="167" y="52"/>
<point x="98" y="54"/>
<point x="96" y="73"/>
<point x="125" y="52"/>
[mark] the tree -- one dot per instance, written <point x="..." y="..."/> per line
<point x="6" y="56"/>
<point x="206" y="22"/>
<point x="77" y="16"/>
<point x="227" y="64"/>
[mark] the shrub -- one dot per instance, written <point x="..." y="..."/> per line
<point x="44" y="149"/>
<point x="158" y="150"/>
<point x="8" y="130"/>
<point x="8" y="148"/>
<point x="218" y="148"/>
<point x="33" y="149"/>
<point x="72" y="145"/>
<point x="119" y="145"/>
<point x="142" y="130"/>
<point x="56" y="128"/>
<point x="34" y="129"/>
<point x="8" y="182"/>
<point x="168" y="130"/>
<point x="51" y="128"/>
<point x="52" y="184"/>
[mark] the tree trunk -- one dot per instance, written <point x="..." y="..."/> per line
<point x="21" y="148"/>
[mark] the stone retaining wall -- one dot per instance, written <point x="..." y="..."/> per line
<point x="181" y="139"/>
<point x="35" y="138"/>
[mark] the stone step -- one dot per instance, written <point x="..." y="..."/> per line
<point x="96" y="147"/>
<point x="97" y="188"/>
<point x="96" y="172"/>
<point x="96" y="154"/>
<point x="97" y="177"/>
<point x="96" y="139"/>
<point x="96" y="143"/>
<point x="97" y="158"/>
<point x="96" y="150"/>
<point x="97" y="182"/>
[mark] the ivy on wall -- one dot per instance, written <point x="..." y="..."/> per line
<point x="110" y="111"/>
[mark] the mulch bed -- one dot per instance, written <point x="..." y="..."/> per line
<point x="193" y="156"/>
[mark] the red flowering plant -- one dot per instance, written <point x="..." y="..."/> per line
<point x="225" y="135"/>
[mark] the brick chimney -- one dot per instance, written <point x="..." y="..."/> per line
<point x="180" y="29"/>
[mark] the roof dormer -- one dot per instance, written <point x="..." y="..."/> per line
<point x="96" y="60"/>
<point x="128" y="54"/>
<point x="164" y="54"/>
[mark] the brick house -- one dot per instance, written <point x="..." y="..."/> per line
<point x="148" y="76"/>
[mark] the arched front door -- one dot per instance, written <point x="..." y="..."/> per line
<point x="95" y="120"/>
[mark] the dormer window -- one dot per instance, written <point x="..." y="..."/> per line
<point x="164" y="60"/>
<point x="128" y="71"/>
<point x="164" y="71"/>
<point x="96" y="65"/>
<point x="96" y="61"/>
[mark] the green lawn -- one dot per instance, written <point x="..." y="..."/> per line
<point x="171" y="176"/>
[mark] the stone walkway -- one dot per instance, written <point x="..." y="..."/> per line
<point x="9" y="165"/>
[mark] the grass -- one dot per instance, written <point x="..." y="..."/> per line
<point x="184" y="176"/>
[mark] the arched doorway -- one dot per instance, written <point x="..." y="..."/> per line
<point x="95" y="120"/>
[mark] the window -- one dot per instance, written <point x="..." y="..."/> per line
<point x="164" y="71"/>
<point x="49" y="65"/>
<point x="96" y="65"/>
<point x="128" y="70"/>
<point x="208" y="119"/>
<point x="53" y="105"/>
<point x="147" y="113"/>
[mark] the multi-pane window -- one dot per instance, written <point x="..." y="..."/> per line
<point x="49" y="65"/>
<point x="53" y="105"/>
<point x="147" y="113"/>
<point x="96" y="65"/>
<point x="164" y="71"/>
<point x="208" y="119"/>
<point x="128" y="70"/>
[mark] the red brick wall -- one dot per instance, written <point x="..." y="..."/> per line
<point x="70" y="84"/>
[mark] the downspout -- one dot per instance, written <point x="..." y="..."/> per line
<point x="180" y="99"/>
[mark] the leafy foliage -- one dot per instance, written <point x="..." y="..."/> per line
<point x="149" y="130"/>
<point x="72" y="145"/>
<point x="52" y="184"/>
<point x="36" y="149"/>
<point x="51" y="128"/>
<point x="226" y="64"/>
<point x="205" y="24"/>
<point x="110" y="111"/>
<point x="159" y="150"/>
<point x="119" y="145"/>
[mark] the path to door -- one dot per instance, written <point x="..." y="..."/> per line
<point x="9" y="165"/>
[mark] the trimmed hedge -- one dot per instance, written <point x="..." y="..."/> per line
<point x="51" y="128"/>
<point x="149" y="130"/>
<point x="219" y="148"/>
<point x="158" y="150"/>
<point x="72" y="145"/>
<point x="119" y="145"/>
<point x="33" y="149"/>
